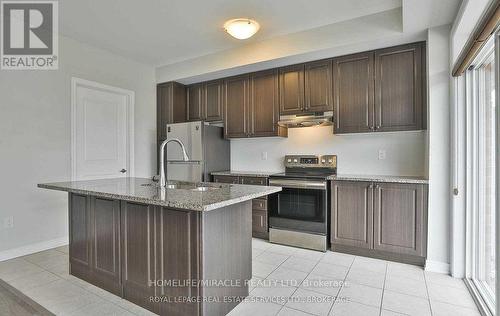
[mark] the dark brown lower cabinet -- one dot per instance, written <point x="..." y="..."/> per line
<point x="382" y="220"/>
<point x="138" y="254"/>
<point x="159" y="258"/>
<point x="177" y="235"/>
<point x="94" y="250"/>
<point x="79" y="236"/>
<point x="399" y="217"/>
<point x="105" y="228"/>
<point x="260" y="224"/>
<point x="352" y="214"/>
<point x="227" y="179"/>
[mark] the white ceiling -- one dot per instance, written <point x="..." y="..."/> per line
<point x="159" y="32"/>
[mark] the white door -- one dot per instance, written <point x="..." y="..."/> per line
<point x="102" y="131"/>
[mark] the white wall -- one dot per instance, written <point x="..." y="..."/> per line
<point x="439" y="219"/>
<point x="35" y="138"/>
<point x="357" y="153"/>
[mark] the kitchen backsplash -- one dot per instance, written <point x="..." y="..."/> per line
<point x="357" y="153"/>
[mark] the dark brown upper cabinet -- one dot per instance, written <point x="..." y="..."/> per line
<point x="399" y="88"/>
<point x="353" y="90"/>
<point x="212" y="101"/>
<point x="236" y="106"/>
<point x="204" y="101"/>
<point x="195" y="102"/>
<point x="291" y="89"/>
<point x="251" y="105"/>
<point x="171" y="106"/>
<point x="318" y="86"/>
<point x="264" y="109"/>
<point x="306" y="88"/>
<point x="380" y="91"/>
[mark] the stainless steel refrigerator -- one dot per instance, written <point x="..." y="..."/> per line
<point x="206" y="147"/>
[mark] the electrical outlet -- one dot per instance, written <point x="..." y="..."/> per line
<point x="382" y="154"/>
<point x="264" y="155"/>
<point x="8" y="222"/>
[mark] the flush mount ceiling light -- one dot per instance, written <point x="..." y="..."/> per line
<point x="241" y="28"/>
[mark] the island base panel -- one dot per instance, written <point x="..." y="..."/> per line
<point x="125" y="247"/>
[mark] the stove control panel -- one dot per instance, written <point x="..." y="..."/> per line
<point x="311" y="161"/>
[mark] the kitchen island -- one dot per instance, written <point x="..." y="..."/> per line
<point x="180" y="250"/>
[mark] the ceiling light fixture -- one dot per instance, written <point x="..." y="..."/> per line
<point x="241" y="28"/>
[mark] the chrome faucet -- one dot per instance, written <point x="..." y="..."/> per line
<point x="163" y="173"/>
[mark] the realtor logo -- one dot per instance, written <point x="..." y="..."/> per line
<point x="29" y="35"/>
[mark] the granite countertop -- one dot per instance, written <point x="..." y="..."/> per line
<point x="379" y="178"/>
<point x="261" y="174"/>
<point x="145" y="191"/>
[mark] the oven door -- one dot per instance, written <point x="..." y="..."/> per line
<point x="300" y="206"/>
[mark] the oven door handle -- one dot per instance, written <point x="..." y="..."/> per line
<point x="298" y="184"/>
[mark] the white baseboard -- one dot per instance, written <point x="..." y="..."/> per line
<point x="437" y="266"/>
<point x="29" y="249"/>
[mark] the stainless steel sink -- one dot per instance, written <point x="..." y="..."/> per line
<point x="183" y="186"/>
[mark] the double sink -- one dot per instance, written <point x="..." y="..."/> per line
<point x="200" y="187"/>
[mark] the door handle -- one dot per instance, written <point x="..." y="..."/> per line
<point x="123" y="170"/>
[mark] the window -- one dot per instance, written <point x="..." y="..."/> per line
<point x="481" y="233"/>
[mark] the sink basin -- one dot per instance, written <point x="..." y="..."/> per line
<point x="183" y="186"/>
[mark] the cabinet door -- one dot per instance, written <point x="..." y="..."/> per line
<point x="171" y="106"/>
<point x="105" y="228"/>
<point x="353" y="82"/>
<point x="79" y="236"/>
<point x="227" y="179"/>
<point x="318" y="86"/>
<point x="195" y="102"/>
<point x="264" y="107"/>
<point x="138" y="253"/>
<point x="212" y="100"/>
<point x="291" y="89"/>
<point x="236" y="107"/>
<point x="399" y="88"/>
<point x="399" y="218"/>
<point x="163" y="109"/>
<point x="352" y="213"/>
<point x="259" y="224"/>
<point x="178" y="258"/>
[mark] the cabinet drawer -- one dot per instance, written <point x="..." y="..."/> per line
<point x="227" y="179"/>
<point x="259" y="204"/>
<point x="253" y="180"/>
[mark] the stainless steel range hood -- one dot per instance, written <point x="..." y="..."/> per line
<point x="306" y="120"/>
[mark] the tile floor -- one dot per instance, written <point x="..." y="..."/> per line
<point x="286" y="281"/>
